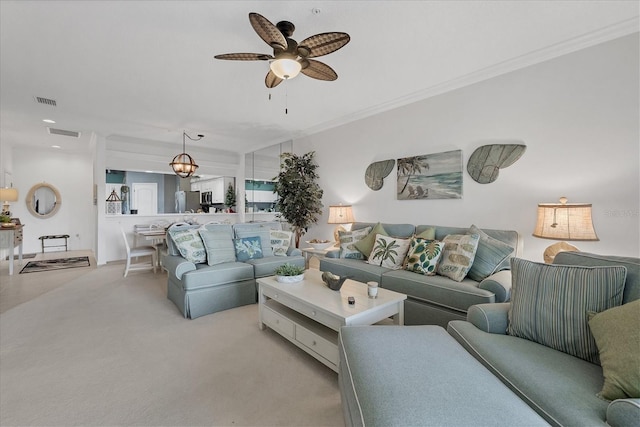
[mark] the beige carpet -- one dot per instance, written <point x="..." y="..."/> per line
<point x="103" y="350"/>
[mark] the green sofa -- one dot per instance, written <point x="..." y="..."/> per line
<point x="431" y="300"/>
<point x="477" y="374"/>
<point x="561" y="387"/>
<point x="201" y="289"/>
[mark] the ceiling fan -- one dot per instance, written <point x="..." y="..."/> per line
<point x="290" y="57"/>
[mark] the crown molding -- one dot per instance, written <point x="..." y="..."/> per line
<point x="575" y="44"/>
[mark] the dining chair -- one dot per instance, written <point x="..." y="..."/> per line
<point x="136" y="252"/>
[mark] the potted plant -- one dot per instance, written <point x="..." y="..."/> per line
<point x="299" y="195"/>
<point x="230" y="198"/>
<point x="289" y="273"/>
<point x="5" y="220"/>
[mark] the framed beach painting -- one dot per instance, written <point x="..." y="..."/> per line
<point x="430" y="176"/>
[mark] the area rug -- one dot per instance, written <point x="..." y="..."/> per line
<point x="55" y="264"/>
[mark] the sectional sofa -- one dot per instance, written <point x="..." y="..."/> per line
<point x="433" y="299"/>
<point x="222" y="278"/>
<point x="484" y="372"/>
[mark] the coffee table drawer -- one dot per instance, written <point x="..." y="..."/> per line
<point x="278" y="322"/>
<point x="316" y="343"/>
<point x="304" y="309"/>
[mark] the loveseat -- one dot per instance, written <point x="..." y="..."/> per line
<point x="437" y="299"/>
<point x="482" y="373"/>
<point x="222" y="270"/>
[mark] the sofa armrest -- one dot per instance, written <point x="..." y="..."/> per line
<point x="293" y="251"/>
<point x="177" y="265"/>
<point x="500" y="284"/>
<point x="491" y="318"/>
<point x="333" y="253"/>
<point x="623" y="412"/>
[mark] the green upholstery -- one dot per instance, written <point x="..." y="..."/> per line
<point x="420" y="376"/>
<point x="200" y="289"/>
<point x="560" y="387"/>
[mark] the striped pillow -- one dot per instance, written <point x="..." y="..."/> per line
<point x="490" y="254"/>
<point x="549" y="303"/>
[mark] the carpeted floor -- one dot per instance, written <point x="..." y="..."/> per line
<point x="103" y="350"/>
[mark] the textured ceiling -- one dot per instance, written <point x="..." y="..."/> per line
<point x="145" y="69"/>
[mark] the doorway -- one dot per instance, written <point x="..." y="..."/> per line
<point x="144" y="198"/>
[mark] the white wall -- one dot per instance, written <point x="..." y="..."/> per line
<point x="68" y="173"/>
<point x="577" y="114"/>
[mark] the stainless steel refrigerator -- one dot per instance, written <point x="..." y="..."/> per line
<point x="187" y="201"/>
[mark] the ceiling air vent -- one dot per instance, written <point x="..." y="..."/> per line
<point x="45" y="101"/>
<point x="72" y="133"/>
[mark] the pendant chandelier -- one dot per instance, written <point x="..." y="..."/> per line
<point x="183" y="164"/>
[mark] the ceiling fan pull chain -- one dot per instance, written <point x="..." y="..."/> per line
<point x="286" y="97"/>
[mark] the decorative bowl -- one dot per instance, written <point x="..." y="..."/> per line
<point x="290" y="279"/>
<point x="333" y="281"/>
<point x="320" y="246"/>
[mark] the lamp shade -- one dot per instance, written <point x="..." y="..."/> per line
<point x="9" y="194"/>
<point x="340" y="214"/>
<point x="285" y="68"/>
<point x="565" y="221"/>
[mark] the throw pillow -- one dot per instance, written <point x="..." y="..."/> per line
<point x="218" y="245"/>
<point x="189" y="244"/>
<point x="428" y="233"/>
<point x="490" y="254"/>
<point x="617" y="335"/>
<point x="423" y="256"/>
<point x="549" y="303"/>
<point x="365" y="245"/>
<point x="265" y="238"/>
<point x="248" y="248"/>
<point x="280" y="242"/>
<point x="457" y="255"/>
<point x="347" y="241"/>
<point x="389" y="252"/>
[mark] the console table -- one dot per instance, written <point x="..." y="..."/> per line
<point x="10" y="237"/>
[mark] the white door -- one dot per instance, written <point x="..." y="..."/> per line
<point x="145" y="198"/>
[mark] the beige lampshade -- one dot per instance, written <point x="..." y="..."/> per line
<point x="8" y="194"/>
<point x="340" y="214"/>
<point x="565" y="221"/>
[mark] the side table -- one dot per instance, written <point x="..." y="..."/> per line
<point x="309" y="253"/>
<point x="10" y="238"/>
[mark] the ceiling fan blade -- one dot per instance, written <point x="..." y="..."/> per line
<point x="245" y="56"/>
<point x="267" y="31"/>
<point x="319" y="70"/>
<point x="271" y="80"/>
<point x="322" y="44"/>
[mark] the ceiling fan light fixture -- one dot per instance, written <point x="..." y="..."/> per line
<point x="285" y="68"/>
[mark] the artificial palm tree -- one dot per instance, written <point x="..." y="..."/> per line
<point x="299" y="195"/>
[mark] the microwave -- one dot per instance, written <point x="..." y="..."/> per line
<point x="206" y="197"/>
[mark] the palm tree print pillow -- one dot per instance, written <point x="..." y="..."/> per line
<point x="389" y="252"/>
<point x="423" y="256"/>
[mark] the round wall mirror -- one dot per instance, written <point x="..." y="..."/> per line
<point x="43" y="200"/>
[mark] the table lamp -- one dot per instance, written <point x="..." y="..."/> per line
<point x="8" y="195"/>
<point x="564" y="221"/>
<point x="340" y="214"/>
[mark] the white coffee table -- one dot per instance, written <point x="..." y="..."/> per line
<point x="310" y="315"/>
